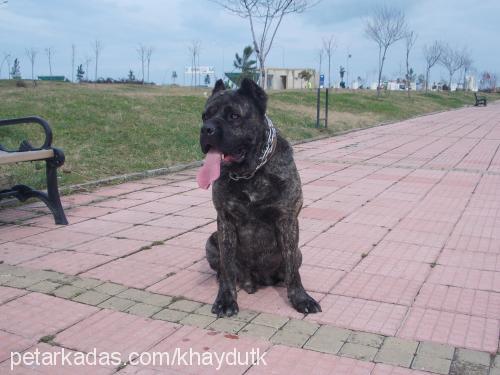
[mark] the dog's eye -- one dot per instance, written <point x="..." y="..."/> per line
<point x="203" y="116"/>
<point x="235" y="116"/>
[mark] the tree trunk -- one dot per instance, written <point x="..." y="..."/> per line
<point x="380" y="71"/>
<point x="262" y="76"/>
<point x="427" y="72"/>
<point x="380" y="67"/>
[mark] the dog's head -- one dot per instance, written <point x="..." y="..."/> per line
<point x="234" y="125"/>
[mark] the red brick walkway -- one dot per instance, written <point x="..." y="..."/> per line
<point x="400" y="235"/>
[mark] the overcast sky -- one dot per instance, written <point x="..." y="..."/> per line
<point x="170" y="26"/>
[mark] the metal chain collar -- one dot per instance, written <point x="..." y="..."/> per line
<point x="266" y="152"/>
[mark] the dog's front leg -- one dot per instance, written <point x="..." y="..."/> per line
<point x="225" y="304"/>
<point x="288" y="240"/>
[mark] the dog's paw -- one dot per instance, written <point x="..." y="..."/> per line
<point x="305" y="304"/>
<point x="225" y="307"/>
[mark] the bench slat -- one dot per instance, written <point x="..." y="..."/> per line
<point x="15" y="157"/>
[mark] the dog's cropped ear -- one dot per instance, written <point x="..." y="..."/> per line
<point x="249" y="88"/>
<point x="219" y="86"/>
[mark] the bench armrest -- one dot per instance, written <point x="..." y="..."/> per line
<point x="26" y="145"/>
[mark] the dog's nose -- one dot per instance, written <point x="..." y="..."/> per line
<point x="208" y="129"/>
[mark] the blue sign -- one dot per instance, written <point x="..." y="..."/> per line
<point x="321" y="81"/>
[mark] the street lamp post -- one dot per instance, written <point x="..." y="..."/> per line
<point x="347" y="66"/>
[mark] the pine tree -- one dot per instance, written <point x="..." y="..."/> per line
<point x="245" y="64"/>
<point x="16" y="70"/>
<point x="80" y="73"/>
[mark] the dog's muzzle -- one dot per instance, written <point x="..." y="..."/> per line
<point x="209" y="136"/>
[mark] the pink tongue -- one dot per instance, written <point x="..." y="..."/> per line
<point x="210" y="170"/>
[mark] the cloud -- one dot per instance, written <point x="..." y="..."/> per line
<point x="171" y="25"/>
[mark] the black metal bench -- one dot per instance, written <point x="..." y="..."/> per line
<point x="53" y="157"/>
<point x="480" y="100"/>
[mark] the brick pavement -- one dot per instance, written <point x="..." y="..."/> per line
<point x="400" y="234"/>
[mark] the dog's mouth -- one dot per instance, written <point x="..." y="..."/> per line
<point x="237" y="157"/>
<point x="228" y="158"/>
<point x="210" y="171"/>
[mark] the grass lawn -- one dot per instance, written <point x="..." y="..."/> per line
<point x="107" y="130"/>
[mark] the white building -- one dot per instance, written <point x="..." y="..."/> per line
<point x="284" y="78"/>
<point x="471" y="83"/>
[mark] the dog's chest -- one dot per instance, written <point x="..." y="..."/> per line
<point x="248" y="199"/>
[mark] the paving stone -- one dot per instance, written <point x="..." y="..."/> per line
<point x="496" y="362"/>
<point x="110" y="288"/>
<point x="91" y="297"/>
<point x="170" y="315"/>
<point x="185" y="305"/>
<point x="62" y="278"/>
<point x="358" y="351"/>
<point x="143" y="309"/>
<point x="257" y="330"/>
<point x="134" y="294"/>
<point x="396" y="351"/>
<point x="328" y="339"/>
<point x="366" y="339"/>
<point x="86" y="283"/>
<point x="431" y="349"/>
<point x="197" y="320"/>
<point x="117" y="303"/>
<point x="302" y="326"/>
<point x="290" y="338"/>
<point x="473" y="356"/>
<point x="245" y="315"/>
<point x="157" y="300"/>
<point x="4" y="279"/>
<point x="44" y="275"/>
<point x="68" y="291"/>
<point x="467" y="368"/>
<point x="19" y="282"/>
<point x="270" y="320"/>
<point x="431" y="363"/>
<point x="227" y="325"/>
<point x="206" y="310"/>
<point x="44" y="286"/>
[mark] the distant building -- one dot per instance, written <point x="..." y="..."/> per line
<point x="471" y="83"/>
<point x="284" y="78"/>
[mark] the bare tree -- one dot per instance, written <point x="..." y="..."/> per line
<point x="452" y="60"/>
<point x="194" y="51"/>
<point x="97" y="52"/>
<point x="432" y="54"/>
<point x="410" y="39"/>
<point x="6" y="59"/>
<point x="73" y="51"/>
<point x="264" y="17"/>
<point x="149" y="52"/>
<point x="31" y="53"/>
<point x="141" y="51"/>
<point x="385" y="28"/>
<point x="49" y="52"/>
<point x="329" y="45"/>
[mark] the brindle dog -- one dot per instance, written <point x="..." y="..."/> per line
<point x="258" y="198"/>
